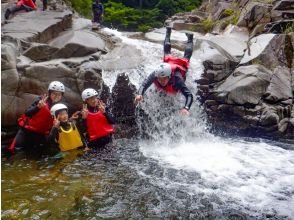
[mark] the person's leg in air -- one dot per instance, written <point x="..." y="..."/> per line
<point x="189" y="46"/>
<point x="167" y="44"/>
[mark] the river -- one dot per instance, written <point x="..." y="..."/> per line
<point x="175" y="168"/>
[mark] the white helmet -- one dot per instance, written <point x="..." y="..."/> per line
<point x="57" y="107"/>
<point x="88" y="93"/>
<point x="56" y="86"/>
<point x="163" y="70"/>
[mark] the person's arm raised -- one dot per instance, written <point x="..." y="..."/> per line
<point x="145" y="85"/>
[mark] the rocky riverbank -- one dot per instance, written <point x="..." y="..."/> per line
<point x="39" y="47"/>
<point x="246" y="87"/>
<point x="248" y="84"/>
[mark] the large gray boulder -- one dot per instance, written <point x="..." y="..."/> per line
<point x="37" y="26"/>
<point x="77" y="44"/>
<point x="271" y="50"/>
<point x="8" y="55"/>
<point x="280" y="88"/>
<point x="218" y="11"/>
<point x="89" y="75"/>
<point x="181" y="25"/>
<point x="290" y="126"/>
<point x="123" y="56"/>
<point x="12" y="106"/>
<point x="245" y="85"/>
<point x="123" y="106"/>
<point x="283" y="5"/>
<point x="10" y="82"/>
<point x="231" y="43"/>
<point x="254" y="13"/>
<point x="40" y="52"/>
<point x="217" y="68"/>
<point x="256" y="46"/>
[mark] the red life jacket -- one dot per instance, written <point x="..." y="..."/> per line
<point x="41" y="122"/>
<point x="29" y="3"/>
<point x="98" y="126"/>
<point x="181" y="64"/>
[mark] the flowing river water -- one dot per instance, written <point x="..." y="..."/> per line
<point x="175" y="169"/>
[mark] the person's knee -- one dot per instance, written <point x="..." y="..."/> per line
<point x="14" y="8"/>
<point x="20" y="139"/>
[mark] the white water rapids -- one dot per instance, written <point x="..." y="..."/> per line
<point x="251" y="175"/>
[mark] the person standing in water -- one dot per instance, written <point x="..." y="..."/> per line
<point x="170" y="76"/>
<point x="64" y="133"/>
<point x="36" y="123"/>
<point x="97" y="120"/>
<point x="98" y="11"/>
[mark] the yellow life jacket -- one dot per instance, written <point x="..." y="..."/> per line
<point x="69" y="139"/>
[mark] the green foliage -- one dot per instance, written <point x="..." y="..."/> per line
<point x="170" y="7"/>
<point x="136" y="14"/>
<point x="208" y="24"/>
<point x="84" y="7"/>
<point x="144" y="28"/>
<point x="235" y="18"/>
<point x="228" y="12"/>
<point x="289" y="28"/>
<point x="122" y="17"/>
<point x="256" y="61"/>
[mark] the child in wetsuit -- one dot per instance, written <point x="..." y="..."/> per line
<point x="64" y="133"/>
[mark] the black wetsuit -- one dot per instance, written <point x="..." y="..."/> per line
<point x="178" y="84"/>
<point x="177" y="81"/>
<point x="97" y="9"/>
<point x="28" y="139"/>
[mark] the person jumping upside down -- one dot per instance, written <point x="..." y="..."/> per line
<point x="170" y="76"/>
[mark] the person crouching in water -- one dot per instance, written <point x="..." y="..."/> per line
<point x="97" y="119"/>
<point x="64" y="133"/>
<point x="37" y="121"/>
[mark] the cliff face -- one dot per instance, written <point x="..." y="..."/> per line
<point x="247" y="86"/>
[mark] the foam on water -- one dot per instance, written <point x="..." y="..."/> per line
<point x="255" y="175"/>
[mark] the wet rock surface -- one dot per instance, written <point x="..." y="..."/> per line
<point x="40" y="47"/>
<point x="37" y="26"/>
<point x="253" y="97"/>
<point x="247" y="83"/>
<point x="251" y="74"/>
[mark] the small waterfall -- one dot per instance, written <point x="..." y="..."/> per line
<point x="252" y="175"/>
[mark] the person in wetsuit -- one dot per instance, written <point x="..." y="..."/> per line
<point x="97" y="120"/>
<point x="170" y="76"/>
<point x="36" y="123"/>
<point x="98" y="11"/>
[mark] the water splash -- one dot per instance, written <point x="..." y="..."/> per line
<point x="253" y="176"/>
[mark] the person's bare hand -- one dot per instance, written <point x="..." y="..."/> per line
<point x="56" y="122"/>
<point x="75" y="115"/>
<point x="101" y="106"/>
<point x="138" y="98"/>
<point x="184" y="112"/>
<point x="84" y="111"/>
<point x="43" y="101"/>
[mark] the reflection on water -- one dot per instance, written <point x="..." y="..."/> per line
<point x="168" y="183"/>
